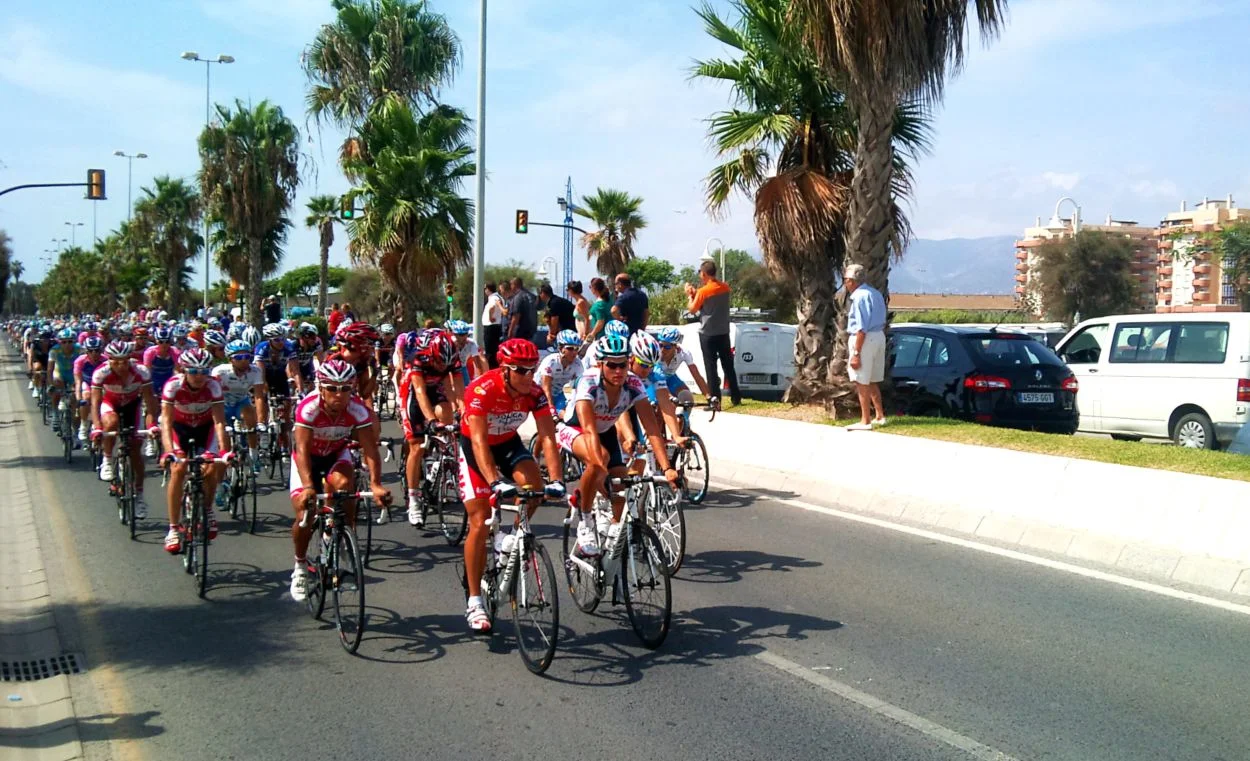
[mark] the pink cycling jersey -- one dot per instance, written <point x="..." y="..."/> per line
<point x="84" y="368"/>
<point x="150" y="353"/>
<point x="192" y="407"/>
<point x="119" y="391"/>
<point x="330" y="434"/>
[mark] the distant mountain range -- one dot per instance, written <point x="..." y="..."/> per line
<point x="957" y="265"/>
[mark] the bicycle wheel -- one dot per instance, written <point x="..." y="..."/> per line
<point x="647" y="588"/>
<point x="251" y="487"/>
<point x="199" y="541"/>
<point x="535" y="606"/>
<point x="694" y="469"/>
<point x="453" y="521"/>
<point x="187" y="518"/>
<point x="662" y="506"/>
<point x="315" y="602"/>
<point x="128" y="489"/>
<point x="347" y="580"/>
<point x="584" y="574"/>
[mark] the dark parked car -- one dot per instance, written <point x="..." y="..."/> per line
<point x="982" y="375"/>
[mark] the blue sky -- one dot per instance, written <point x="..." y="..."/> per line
<point x="1129" y="106"/>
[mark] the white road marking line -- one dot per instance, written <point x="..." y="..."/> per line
<point x="1056" y="565"/>
<point x="908" y="719"/>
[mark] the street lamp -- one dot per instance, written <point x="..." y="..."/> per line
<point x="707" y="254"/>
<point x="130" y="166"/>
<point x="479" y="221"/>
<point x="554" y="271"/>
<point x="191" y="55"/>
<point x="73" y="230"/>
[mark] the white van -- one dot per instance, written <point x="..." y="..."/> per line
<point x="763" y="357"/>
<point x="1180" y="376"/>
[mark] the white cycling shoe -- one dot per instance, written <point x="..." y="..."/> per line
<point x="587" y="540"/>
<point x="106" y="469"/>
<point x="415" y="518"/>
<point x="300" y="582"/>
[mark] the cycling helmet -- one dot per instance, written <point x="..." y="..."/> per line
<point x="307" y="329"/>
<point x="92" y="343"/>
<point x="336" y="371"/>
<point x="141" y="331"/>
<point x="163" y="334"/>
<point x="668" y="336"/>
<point x="359" y="335"/>
<point x="616" y="328"/>
<point x="273" y="330"/>
<point x="387" y="329"/>
<point x="568" y="338"/>
<point x="118" y="350"/>
<point x="214" y="338"/>
<point x="66" y="334"/>
<point x="251" y="335"/>
<point x="459" y="327"/>
<point x="237" y="347"/>
<point x="124" y="330"/>
<point x="644" y="348"/>
<point x="611" y="346"/>
<point x="45" y="334"/>
<point x="517" y="351"/>
<point x="436" y="344"/>
<point x="195" y="359"/>
<point x="235" y="331"/>
<point x="180" y="331"/>
<point x="91" y="327"/>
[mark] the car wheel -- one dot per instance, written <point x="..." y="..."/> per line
<point x="1125" y="437"/>
<point x="1194" y="431"/>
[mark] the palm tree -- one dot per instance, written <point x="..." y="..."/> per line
<point x="249" y="172"/>
<point x="788" y="146"/>
<point x="377" y="48"/>
<point x="416" y="228"/>
<point x="615" y="213"/>
<point x="883" y="53"/>
<point x="6" y="265"/>
<point x="232" y="253"/>
<point x="168" y="215"/>
<point x="17" y="269"/>
<point x="323" y="214"/>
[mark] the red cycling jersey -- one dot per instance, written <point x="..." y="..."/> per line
<point x="120" y="391"/>
<point x="192" y="407"/>
<point x="488" y="396"/>
<point x="330" y="434"/>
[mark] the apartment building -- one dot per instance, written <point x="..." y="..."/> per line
<point x="1191" y="277"/>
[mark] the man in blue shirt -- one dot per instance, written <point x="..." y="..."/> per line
<point x="865" y="322"/>
<point x="632" y="306"/>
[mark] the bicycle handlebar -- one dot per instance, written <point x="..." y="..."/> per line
<point x="143" y="434"/>
<point x="322" y="499"/>
<point x="712" y="405"/>
<point x="635" y="480"/>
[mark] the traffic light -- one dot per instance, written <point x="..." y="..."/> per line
<point x="522" y="221"/>
<point x="347" y="209"/>
<point x="450" y="289"/>
<point x="95" y="185"/>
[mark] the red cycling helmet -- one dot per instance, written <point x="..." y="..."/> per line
<point x="436" y="343"/>
<point x="358" y="335"/>
<point x="517" y="351"/>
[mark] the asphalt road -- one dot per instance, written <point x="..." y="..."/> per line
<point x="1025" y="661"/>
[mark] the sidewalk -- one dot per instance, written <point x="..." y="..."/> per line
<point x="37" y="718"/>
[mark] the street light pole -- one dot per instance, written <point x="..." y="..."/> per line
<point x="130" y="168"/>
<point x="191" y="55"/>
<point x="73" y="232"/>
<point x="479" y="222"/>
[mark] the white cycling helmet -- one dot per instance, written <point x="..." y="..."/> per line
<point x="251" y="335"/>
<point x="274" y="330"/>
<point x="644" y="348"/>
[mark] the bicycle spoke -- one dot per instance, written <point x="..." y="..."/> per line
<point x="536" y="607"/>
<point x="347" y="580"/>
<point x="648" y="593"/>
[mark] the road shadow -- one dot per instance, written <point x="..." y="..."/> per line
<point x="99" y="728"/>
<point x="391" y="637"/>
<point x="737" y="497"/>
<point x="727" y="566"/>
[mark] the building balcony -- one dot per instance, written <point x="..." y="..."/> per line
<point x="1166" y="285"/>
<point x="1166" y="269"/>
<point x="1020" y="290"/>
<point x="1202" y="268"/>
<point x="1165" y="245"/>
<point x="1021" y="255"/>
<point x="1202" y="283"/>
<point x="1022" y="278"/>
<point x="1201" y="296"/>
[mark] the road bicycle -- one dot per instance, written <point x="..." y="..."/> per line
<point x="69" y="427"/>
<point x="524" y="576"/>
<point x="193" y="520"/>
<point x="278" y="430"/>
<point x="336" y="565"/>
<point x="122" y="487"/>
<point x="241" y="479"/>
<point x="691" y="461"/>
<point x="662" y="505"/>
<point x="631" y="563"/>
<point x="383" y="401"/>
<point x="439" y="496"/>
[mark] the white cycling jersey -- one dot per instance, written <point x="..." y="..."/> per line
<point x="552" y="367"/>
<point x="590" y="388"/>
<point x="238" y="388"/>
<point x="680" y="359"/>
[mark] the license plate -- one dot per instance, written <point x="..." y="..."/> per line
<point x="754" y="378"/>
<point x="1028" y="397"/>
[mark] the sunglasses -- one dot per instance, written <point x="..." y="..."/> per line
<point x="241" y="358"/>
<point x="616" y="365"/>
<point x="521" y="370"/>
<point x="568" y="348"/>
<point x="644" y="365"/>
<point x="165" y="341"/>
<point x="337" y="389"/>
<point x="666" y="347"/>
<point x="197" y="371"/>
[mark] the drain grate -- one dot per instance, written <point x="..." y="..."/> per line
<point x="42" y="668"/>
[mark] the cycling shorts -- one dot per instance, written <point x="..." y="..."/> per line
<point x="234" y="411"/>
<point x="508" y="456"/>
<point x="127" y="415"/>
<point x="278" y="382"/>
<point x="413" y="421"/>
<point x="566" y="434"/>
<point x="198" y="439"/>
<point x="321" y="467"/>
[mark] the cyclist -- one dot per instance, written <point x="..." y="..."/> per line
<point x="325" y="421"/>
<point x="384" y="350"/>
<point x="472" y="361"/>
<point x="142" y="340"/>
<point x="84" y="366"/>
<point x="672" y="357"/>
<point x="497" y="403"/>
<point x="644" y="364"/>
<point x="192" y="420"/>
<point x="560" y="368"/>
<point x="590" y="433"/>
<point x="215" y="343"/>
<point x="161" y="360"/>
<point x="612" y="328"/>
<point x="355" y="343"/>
<point x="119" y="388"/>
<point x="243" y="383"/>
<point x="276" y="356"/>
<point x="431" y="392"/>
<point x="37" y="359"/>
<point x="308" y="353"/>
<point x="62" y="359"/>
<point x="180" y="338"/>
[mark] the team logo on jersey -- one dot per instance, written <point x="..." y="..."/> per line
<point x="480" y="390"/>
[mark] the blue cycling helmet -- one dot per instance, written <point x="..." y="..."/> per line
<point x="65" y="335"/>
<point x="568" y="338"/>
<point x="616" y="328"/>
<point x="611" y="346"/>
<point x="162" y="334"/>
<point x="238" y="347"/>
<point x="180" y="331"/>
<point x="459" y="327"/>
<point x="668" y="336"/>
<point x="215" y="338"/>
<point x="92" y="343"/>
<point x="251" y="335"/>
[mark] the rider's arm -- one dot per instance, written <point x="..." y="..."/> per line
<point x="551" y="452"/>
<point x="453" y="388"/>
<point x="167" y="426"/>
<point x="417" y="383"/>
<point x="546" y="382"/>
<point x="586" y="421"/>
<point x="368" y="439"/>
<point x="149" y="405"/>
<point x="698" y="379"/>
<point x="292" y="370"/>
<point x="219" y="425"/>
<point x="668" y="411"/>
<point x="303" y="462"/>
<point x="97" y="395"/>
<point x="646" y="417"/>
<point x="478" y="428"/>
<point x="261" y="395"/>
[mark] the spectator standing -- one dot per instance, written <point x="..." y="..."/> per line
<point x="349" y="315"/>
<point x="522" y="311"/>
<point x="273" y="310"/>
<point x="865" y="323"/>
<point x="600" y="310"/>
<point x="492" y="322"/>
<point x="632" y="305"/>
<point x="559" y="313"/>
<point x="710" y="303"/>
<point x="581" y="308"/>
<point x="334" y="319"/>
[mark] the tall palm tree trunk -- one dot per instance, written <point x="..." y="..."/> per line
<point x="870" y="216"/>
<point x="327" y="238"/>
<point x="171" y="289"/>
<point x="254" y="280"/>
<point x="813" y="344"/>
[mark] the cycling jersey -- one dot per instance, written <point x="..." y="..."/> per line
<point x="39" y="353"/>
<point x="657" y="378"/>
<point x="160" y="368"/>
<point x="273" y="356"/>
<point x="84" y="367"/>
<point x="488" y="396"/>
<point x="590" y="388"/>
<point x="119" y="391"/>
<point x="468" y="352"/>
<point x="680" y="359"/>
<point x="305" y="355"/>
<point x="552" y="367"/>
<point x="235" y="388"/>
<point x="192" y="407"/>
<point x="386" y="352"/>
<point x="330" y="434"/>
<point x="65" y="362"/>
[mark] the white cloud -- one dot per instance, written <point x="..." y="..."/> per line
<point x="291" y="19"/>
<point x="1062" y="180"/>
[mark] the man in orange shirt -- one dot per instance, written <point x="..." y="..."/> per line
<point x="710" y="303"/>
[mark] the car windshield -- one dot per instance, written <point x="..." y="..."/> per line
<point x="1010" y="351"/>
